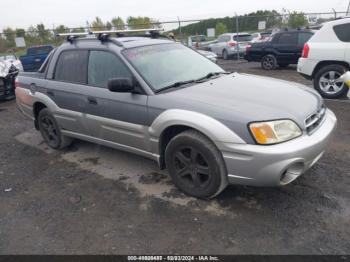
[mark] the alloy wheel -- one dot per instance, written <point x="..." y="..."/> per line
<point x="269" y="63"/>
<point x="192" y="168"/>
<point x="331" y="83"/>
<point x="49" y="131"/>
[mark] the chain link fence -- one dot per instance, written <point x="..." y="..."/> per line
<point x="209" y="29"/>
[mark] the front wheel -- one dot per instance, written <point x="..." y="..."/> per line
<point x="195" y="165"/>
<point x="50" y="130"/>
<point x="269" y="62"/>
<point x="328" y="83"/>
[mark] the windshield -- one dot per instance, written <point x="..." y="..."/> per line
<point x="166" y="64"/>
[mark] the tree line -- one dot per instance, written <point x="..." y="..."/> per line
<point x="247" y="23"/>
<point x="39" y="34"/>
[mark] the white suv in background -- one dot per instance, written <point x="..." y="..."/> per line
<point x="326" y="56"/>
<point x="230" y="44"/>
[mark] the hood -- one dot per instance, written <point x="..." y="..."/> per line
<point x="238" y="99"/>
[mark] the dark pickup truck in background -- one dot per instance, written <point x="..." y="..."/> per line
<point x="35" y="56"/>
<point x="284" y="48"/>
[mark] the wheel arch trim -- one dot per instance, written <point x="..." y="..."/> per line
<point x="207" y="125"/>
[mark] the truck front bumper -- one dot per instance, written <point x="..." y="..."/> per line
<point x="280" y="164"/>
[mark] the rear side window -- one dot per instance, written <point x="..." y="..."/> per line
<point x="104" y="66"/>
<point x="303" y="38"/>
<point x="288" y="39"/>
<point x="72" y="66"/>
<point x="343" y="32"/>
<point x="243" y="38"/>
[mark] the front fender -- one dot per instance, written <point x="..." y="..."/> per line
<point x="209" y="126"/>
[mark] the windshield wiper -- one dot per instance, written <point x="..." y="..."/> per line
<point x="175" y="85"/>
<point x="181" y="83"/>
<point x="211" y="74"/>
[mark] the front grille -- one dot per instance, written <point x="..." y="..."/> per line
<point x="314" y="121"/>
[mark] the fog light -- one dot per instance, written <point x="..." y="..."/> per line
<point x="291" y="173"/>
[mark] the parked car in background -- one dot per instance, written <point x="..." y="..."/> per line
<point x="13" y="59"/>
<point x="34" y="57"/>
<point x="164" y="101"/>
<point x="260" y="37"/>
<point x="326" y="56"/>
<point x="231" y="44"/>
<point x="196" y="40"/>
<point x="283" y="48"/>
<point x="210" y="55"/>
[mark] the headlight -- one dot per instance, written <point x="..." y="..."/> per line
<point x="274" y="132"/>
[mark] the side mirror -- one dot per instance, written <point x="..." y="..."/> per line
<point x="121" y="85"/>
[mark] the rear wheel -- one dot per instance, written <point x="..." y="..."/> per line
<point x="269" y="62"/>
<point x="195" y="165"/>
<point x="328" y="83"/>
<point x="50" y="130"/>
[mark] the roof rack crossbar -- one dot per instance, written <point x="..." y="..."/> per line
<point x="103" y="36"/>
<point x="150" y="30"/>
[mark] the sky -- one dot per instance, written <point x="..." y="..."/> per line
<point x="75" y="13"/>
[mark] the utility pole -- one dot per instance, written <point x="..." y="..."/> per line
<point x="347" y="11"/>
<point x="180" y="33"/>
<point x="237" y="32"/>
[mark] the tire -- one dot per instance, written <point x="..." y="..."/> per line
<point x="327" y="83"/>
<point x="189" y="153"/>
<point x="225" y="55"/>
<point x="269" y="62"/>
<point x="50" y="130"/>
<point x="283" y="65"/>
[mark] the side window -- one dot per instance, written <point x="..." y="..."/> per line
<point x="104" y="66"/>
<point x="71" y="66"/>
<point x="343" y="32"/>
<point x="288" y="39"/>
<point x="303" y="38"/>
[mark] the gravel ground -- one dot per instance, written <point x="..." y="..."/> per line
<point x="93" y="200"/>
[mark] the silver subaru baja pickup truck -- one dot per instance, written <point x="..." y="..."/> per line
<point x="159" y="99"/>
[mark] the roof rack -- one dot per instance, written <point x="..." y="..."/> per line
<point x="104" y="35"/>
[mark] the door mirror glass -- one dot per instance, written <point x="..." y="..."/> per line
<point x="121" y="84"/>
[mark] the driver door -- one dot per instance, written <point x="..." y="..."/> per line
<point x="111" y="116"/>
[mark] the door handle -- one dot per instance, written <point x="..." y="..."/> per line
<point x="92" y="100"/>
<point x="37" y="60"/>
